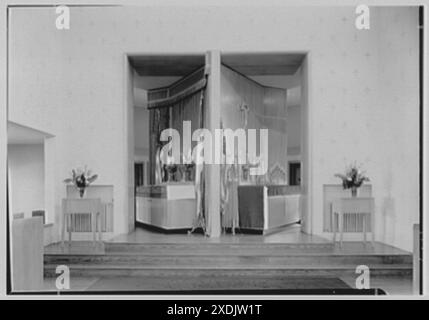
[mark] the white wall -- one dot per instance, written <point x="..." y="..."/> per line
<point x="363" y="103"/>
<point x="293" y="124"/>
<point x="27" y="178"/>
<point x="396" y="183"/>
<point x="141" y="133"/>
<point x="368" y="112"/>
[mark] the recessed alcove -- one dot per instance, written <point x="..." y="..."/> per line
<point x="275" y="77"/>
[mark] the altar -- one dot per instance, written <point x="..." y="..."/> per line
<point x="169" y="201"/>
<point x="266" y="208"/>
<point x="166" y="206"/>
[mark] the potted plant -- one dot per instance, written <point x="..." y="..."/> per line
<point x="353" y="178"/>
<point x="81" y="179"/>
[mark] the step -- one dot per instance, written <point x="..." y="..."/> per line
<point x="204" y="285"/>
<point x="217" y="248"/>
<point x="241" y="260"/>
<point x="276" y="271"/>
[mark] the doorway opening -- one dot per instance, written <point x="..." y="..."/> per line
<point x="294" y="173"/>
<point x="274" y="75"/>
<point x="164" y="95"/>
<point x="277" y="76"/>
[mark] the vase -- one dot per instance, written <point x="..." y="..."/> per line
<point x="82" y="192"/>
<point x="354" y="192"/>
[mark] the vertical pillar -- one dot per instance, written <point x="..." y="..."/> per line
<point x="306" y="150"/>
<point x="3" y="133"/>
<point x="212" y="118"/>
<point x="51" y="184"/>
<point x="129" y="220"/>
<point x="416" y="259"/>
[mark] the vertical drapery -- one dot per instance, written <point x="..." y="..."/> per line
<point x="159" y="119"/>
<point x="189" y="108"/>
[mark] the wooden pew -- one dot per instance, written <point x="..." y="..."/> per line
<point x="27" y="254"/>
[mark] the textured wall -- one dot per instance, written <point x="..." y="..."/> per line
<point x="363" y="102"/>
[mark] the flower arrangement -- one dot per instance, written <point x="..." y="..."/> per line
<point x="188" y="167"/>
<point x="81" y="179"/>
<point x="353" y="178"/>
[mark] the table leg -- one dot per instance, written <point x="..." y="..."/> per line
<point x="69" y="227"/>
<point x="63" y="231"/>
<point x="364" y="221"/>
<point x="372" y="228"/>
<point x="99" y="226"/>
<point x="340" y="226"/>
<point x="94" y="226"/>
<point x="334" y="226"/>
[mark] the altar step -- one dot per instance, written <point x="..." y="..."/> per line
<point x="226" y="260"/>
<point x="228" y="249"/>
<point x="218" y="261"/>
<point x="255" y="271"/>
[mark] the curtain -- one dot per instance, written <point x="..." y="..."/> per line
<point x="189" y="108"/>
<point x="159" y="119"/>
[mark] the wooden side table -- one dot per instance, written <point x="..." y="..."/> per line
<point x="91" y="207"/>
<point x="357" y="206"/>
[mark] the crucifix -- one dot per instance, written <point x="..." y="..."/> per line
<point x="244" y="108"/>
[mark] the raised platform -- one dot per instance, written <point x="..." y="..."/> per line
<point x="287" y="235"/>
<point x="217" y="263"/>
<point x="167" y="207"/>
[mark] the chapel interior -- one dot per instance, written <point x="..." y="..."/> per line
<point x="259" y="91"/>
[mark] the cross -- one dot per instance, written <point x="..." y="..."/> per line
<point x="244" y="108"/>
